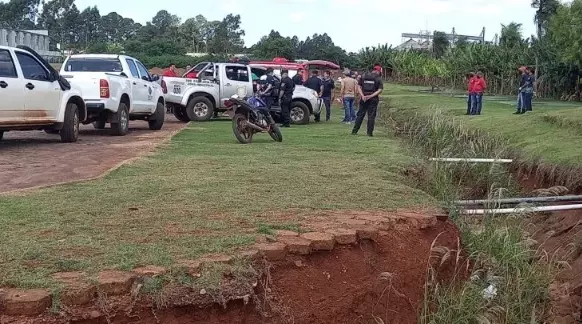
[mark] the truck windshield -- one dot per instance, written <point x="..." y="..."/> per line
<point x="93" y="65"/>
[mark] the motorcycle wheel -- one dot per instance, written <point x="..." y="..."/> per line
<point x="275" y="133"/>
<point x="242" y="133"/>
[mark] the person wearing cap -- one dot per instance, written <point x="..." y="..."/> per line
<point x="298" y="78"/>
<point x="285" y="98"/>
<point x="268" y="88"/>
<point x="370" y="87"/>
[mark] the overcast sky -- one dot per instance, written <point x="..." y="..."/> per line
<point x="352" y="24"/>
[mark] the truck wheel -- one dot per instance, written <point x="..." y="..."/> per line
<point x="180" y="114"/>
<point x="99" y="124"/>
<point x="121" y="125"/>
<point x="200" y="109"/>
<point x="70" y="130"/>
<point x="157" y="119"/>
<point x="299" y="113"/>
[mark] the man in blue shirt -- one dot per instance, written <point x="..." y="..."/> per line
<point x="526" y="89"/>
<point x="327" y="85"/>
<point x="314" y="83"/>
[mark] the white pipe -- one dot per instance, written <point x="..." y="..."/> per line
<point x="518" y="200"/>
<point x="472" y="160"/>
<point x="519" y="209"/>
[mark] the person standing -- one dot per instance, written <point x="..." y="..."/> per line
<point x="314" y="83"/>
<point x="298" y="78"/>
<point x="479" y="86"/>
<point x="268" y="88"/>
<point x="526" y="90"/>
<point x="369" y="88"/>
<point x="327" y="86"/>
<point x="348" y="95"/>
<point x="470" y="80"/>
<point x="286" y="96"/>
<point x="171" y="71"/>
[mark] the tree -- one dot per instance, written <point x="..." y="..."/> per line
<point x="566" y="32"/>
<point x="545" y="10"/>
<point x="166" y="24"/>
<point x="61" y="18"/>
<point x="511" y="35"/>
<point x="226" y="36"/>
<point x="440" y="43"/>
<point x="19" y="14"/>
<point x="274" y="45"/>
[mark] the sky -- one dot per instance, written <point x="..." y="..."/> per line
<point x="352" y="24"/>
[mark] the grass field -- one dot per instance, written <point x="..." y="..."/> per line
<point x="203" y="193"/>
<point x="552" y="131"/>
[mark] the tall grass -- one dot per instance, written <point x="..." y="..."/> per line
<point x="497" y="276"/>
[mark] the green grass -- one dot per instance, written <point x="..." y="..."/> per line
<point x="204" y="193"/>
<point x="551" y="132"/>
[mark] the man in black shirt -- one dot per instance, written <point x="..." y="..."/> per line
<point x="370" y="87"/>
<point x="286" y="96"/>
<point x="314" y="83"/>
<point x="268" y="88"/>
<point x="298" y="78"/>
<point x="327" y="85"/>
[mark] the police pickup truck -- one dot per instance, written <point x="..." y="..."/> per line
<point x="200" y="98"/>
<point x="33" y="96"/>
<point x="116" y="89"/>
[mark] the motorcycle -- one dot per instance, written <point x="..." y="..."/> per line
<point x="250" y="116"/>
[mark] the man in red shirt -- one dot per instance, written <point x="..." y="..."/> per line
<point x="479" y="86"/>
<point x="171" y="71"/>
<point x="470" y="78"/>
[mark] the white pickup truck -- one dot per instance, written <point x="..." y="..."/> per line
<point x="200" y="98"/>
<point x="116" y="89"/>
<point x="33" y="96"/>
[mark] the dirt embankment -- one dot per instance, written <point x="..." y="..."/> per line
<point x="378" y="278"/>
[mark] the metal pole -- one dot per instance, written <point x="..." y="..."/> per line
<point x="518" y="200"/>
<point x="519" y="210"/>
<point x="472" y="160"/>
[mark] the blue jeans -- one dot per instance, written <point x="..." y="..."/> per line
<point x="519" y="101"/>
<point x="349" y="113"/>
<point x="476" y="103"/>
<point x="526" y="101"/>
<point x="327" y="103"/>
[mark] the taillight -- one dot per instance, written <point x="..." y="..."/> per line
<point x="103" y="88"/>
<point x="164" y="87"/>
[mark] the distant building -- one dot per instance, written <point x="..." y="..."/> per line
<point x="423" y="39"/>
<point x="38" y="40"/>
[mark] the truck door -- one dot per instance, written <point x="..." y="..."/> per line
<point x="148" y="104"/>
<point x="42" y="99"/>
<point x="136" y="86"/>
<point x="11" y="90"/>
<point x="232" y="77"/>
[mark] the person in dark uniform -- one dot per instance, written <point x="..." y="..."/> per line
<point x="285" y="96"/>
<point x="298" y="78"/>
<point x="369" y="88"/>
<point x="268" y="88"/>
<point x="314" y="83"/>
<point x="327" y="85"/>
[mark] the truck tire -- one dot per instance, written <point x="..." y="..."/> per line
<point x="70" y="131"/>
<point x="156" y="120"/>
<point x="180" y="114"/>
<point x="99" y="124"/>
<point x="299" y="113"/>
<point x="200" y="109"/>
<point x="121" y="125"/>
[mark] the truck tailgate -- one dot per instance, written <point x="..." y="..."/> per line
<point x="89" y="82"/>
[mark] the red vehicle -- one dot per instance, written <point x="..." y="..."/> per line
<point x="281" y="63"/>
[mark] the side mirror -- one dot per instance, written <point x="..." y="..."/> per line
<point x="145" y="78"/>
<point x="155" y="77"/>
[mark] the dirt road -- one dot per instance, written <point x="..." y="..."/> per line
<point x="33" y="159"/>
